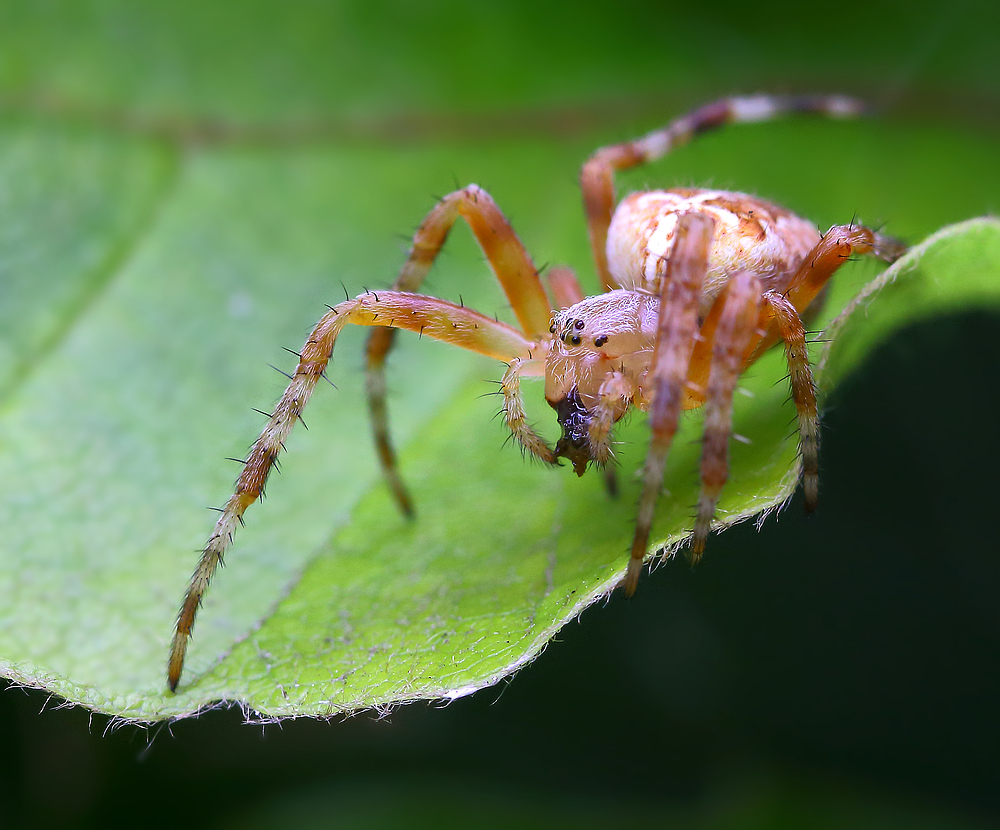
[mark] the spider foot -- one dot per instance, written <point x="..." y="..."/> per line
<point x="888" y="248"/>
<point x="632" y="574"/>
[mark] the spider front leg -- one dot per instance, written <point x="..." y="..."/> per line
<point x="513" y="408"/>
<point x="390" y="309"/>
<point x="680" y="294"/>
<point x="513" y="268"/>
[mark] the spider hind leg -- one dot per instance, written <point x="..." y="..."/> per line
<point x="738" y="306"/>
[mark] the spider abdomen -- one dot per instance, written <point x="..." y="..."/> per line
<point x="751" y="234"/>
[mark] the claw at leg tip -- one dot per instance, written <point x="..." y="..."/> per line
<point x="696" y="550"/>
<point x="631" y="581"/>
<point x="173" y="679"/>
<point x="811" y="500"/>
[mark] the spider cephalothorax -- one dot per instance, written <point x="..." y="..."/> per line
<point x="697" y="285"/>
<point x="594" y="366"/>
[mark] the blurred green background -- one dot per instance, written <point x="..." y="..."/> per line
<point x="835" y="671"/>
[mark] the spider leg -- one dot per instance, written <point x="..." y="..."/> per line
<point x="838" y="245"/>
<point x="793" y="334"/>
<point x="513" y="409"/>
<point x="512" y="267"/>
<point x="738" y="320"/>
<point x="616" y="394"/>
<point x="678" y="323"/>
<point x="780" y="319"/>
<point x="378" y="416"/>
<point x="564" y="288"/>
<point x="597" y="176"/>
<point x="416" y="312"/>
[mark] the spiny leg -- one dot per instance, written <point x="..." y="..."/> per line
<point x="837" y="246"/>
<point x="513" y="409"/>
<point x="737" y="323"/>
<point x="597" y="176"/>
<point x="375" y="392"/>
<point x="512" y="266"/>
<point x="793" y="334"/>
<point x="781" y="320"/>
<point x="678" y="323"/>
<point x="415" y="312"/>
<point x="505" y="253"/>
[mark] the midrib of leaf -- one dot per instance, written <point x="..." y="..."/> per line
<point x="97" y="281"/>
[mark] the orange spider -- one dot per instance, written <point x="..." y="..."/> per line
<point x="697" y="285"/>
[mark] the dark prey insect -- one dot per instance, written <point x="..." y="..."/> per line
<point x="697" y="285"/>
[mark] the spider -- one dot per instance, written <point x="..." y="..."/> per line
<point x="697" y="285"/>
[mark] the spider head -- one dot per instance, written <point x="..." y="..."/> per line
<point x="574" y="418"/>
<point x="598" y="352"/>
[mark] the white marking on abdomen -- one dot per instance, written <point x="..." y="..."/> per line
<point x="658" y="244"/>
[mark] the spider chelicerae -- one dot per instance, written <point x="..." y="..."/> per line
<point x="697" y="285"/>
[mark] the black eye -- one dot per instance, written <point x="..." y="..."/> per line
<point x="600" y="341"/>
<point x="575" y="340"/>
<point x="579" y="324"/>
<point x="552" y="329"/>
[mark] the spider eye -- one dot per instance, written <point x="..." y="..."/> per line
<point x="552" y="329"/>
<point x="575" y="340"/>
<point x="600" y="341"/>
<point x="579" y="324"/>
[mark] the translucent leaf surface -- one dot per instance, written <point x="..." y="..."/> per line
<point x="150" y="274"/>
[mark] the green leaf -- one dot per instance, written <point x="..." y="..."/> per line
<point x="504" y="554"/>
<point x="165" y="232"/>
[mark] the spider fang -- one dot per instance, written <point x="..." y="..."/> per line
<point x="574" y="418"/>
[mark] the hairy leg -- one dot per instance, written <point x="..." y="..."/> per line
<point x="597" y="176"/>
<point x="415" y="312"/>
<point x="793" y="334"/>
<point x="781" y="320"/>
<point x="512" y="267"/>
<point x="513" y="409"/>
<point x="838" y="245"/>
<point x="678" y="324"/>
<point x="737" y="322"/>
